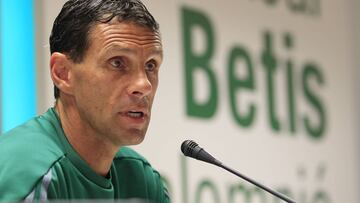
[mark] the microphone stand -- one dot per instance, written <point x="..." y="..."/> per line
<point x="193" y="150"/>
<point x="277" y="194"/>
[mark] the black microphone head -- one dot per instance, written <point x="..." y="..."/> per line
<point x="188" y="146"/>
<point x="192" y="149"/>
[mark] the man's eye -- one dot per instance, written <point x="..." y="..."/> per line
<point x="117" y="63"/>
<point x="150" y="66"/>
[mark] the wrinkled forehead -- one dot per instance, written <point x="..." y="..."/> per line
<point x="105" y="39"/>
<point x="116" y="30"/>
<point x="120" y="25"/>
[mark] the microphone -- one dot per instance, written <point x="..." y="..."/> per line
<point x="191" y="149"/>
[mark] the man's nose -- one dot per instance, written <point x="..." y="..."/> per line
<point x="140" y="86"/>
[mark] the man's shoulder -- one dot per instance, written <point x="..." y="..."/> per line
<point x="128" y="153"/>
<point x="35" y="137"/>
<point x="26" y="153"/>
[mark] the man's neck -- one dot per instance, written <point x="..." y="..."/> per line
<point x="91" y="147"/>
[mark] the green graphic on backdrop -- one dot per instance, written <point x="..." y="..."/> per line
<point x="198" y="61"/>
<point x="307" y="73"/>
<point x="311" y="71"/>
<point x="237" y="85"/>
<point x="270" y="64"/>
<point x="301" y="7"/>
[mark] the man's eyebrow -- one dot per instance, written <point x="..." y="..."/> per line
<point x="157" y="52"/>
<point x="120" y="49"/>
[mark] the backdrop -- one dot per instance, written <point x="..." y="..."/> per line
<point x="269" y="87"/>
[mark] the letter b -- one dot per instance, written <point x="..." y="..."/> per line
<point x="198" y="62"/>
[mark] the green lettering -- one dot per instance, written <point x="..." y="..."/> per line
<point x="297" y="5"/>
<point x="270" y="2"/>
<point x="288" y="41"/>
<point x="310" y="73"/>
<point x="270" y="64"/>
<point x="209" y="185"/>
<point x="198" y="61"/>
<point x="238" y="53"/>
<point x="321" y="197"/>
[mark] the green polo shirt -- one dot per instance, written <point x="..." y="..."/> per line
<point x="38" y="163"/>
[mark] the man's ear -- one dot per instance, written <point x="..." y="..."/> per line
<point x="60" y="71"/>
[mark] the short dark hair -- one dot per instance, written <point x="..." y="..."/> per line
<point x="72" y="26"/>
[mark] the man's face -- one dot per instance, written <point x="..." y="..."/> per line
<point x="115" y="84"/>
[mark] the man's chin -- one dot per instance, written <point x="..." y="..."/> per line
<point x="132" y="137"/>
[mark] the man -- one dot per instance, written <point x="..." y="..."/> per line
<point x="105" y="58"/>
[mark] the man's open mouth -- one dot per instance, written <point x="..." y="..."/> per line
<point x="135" y="114"/>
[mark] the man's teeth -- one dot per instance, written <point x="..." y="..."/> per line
<point x="135" y="114"/>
